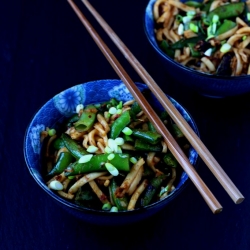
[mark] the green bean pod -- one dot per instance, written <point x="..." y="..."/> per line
<point x="167" y="48"/>
<point x="121" y="203"/>
<point x="147" y="136"/>
<point x="86" y="119"/>
<point x="75" y="149"/>
<point x="143" y="146"/>
<point x="134" y="110"/>
<point x="169" y="159"/>
<point x="177" y="132"/>
<point x="194" y="4"/>
<point x="72" y="120"/>
<point x="58" y="143"/>
<point x="227" y="11"/>
<point x="151" y="189"/>
<point x="97" y="163"/>
<point x="119" y="124"/>
<point x="225" y="26"/>
<point x="151" y="127"/>
<point x="184" y="42"/>
<point x="64" y="160"/>
<point x="193" y="51"/>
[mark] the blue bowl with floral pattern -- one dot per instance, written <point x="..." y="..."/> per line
<point x="62" y="106"/>
<point x="205" y="84"/>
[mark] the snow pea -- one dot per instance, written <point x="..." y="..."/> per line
<point x="134" y="110"/>
<point x="169" y="159"/>
<point x="58" y="143"/>
<point x="177" y="132"/>
<point x="194" y="52"/>
<point x="151" y="127"/>
<point x="147" y="136"/>
<point x="72" y="120"/>
<point x="119" y="124"/>
<point x="225" y="26"/>
<point x="64" y="160"/>
<point x="142" y="146"/>
<point x="151" y="189"/>
<point x="74" y="148"/>
<point x="227" y="11"/>
<point x="86" y="119"/>
<point x="167" y="48"/>
<point x="121" y="203"/>
<point x="97" y="163"/>
<point x="184" y="42"/>
<point x="194" y="4"/>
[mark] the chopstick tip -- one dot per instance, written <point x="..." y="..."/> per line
<point x="219" y="210"/>
<point x="238" y="201"/>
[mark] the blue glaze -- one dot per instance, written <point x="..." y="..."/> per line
<point x="61" y="106"/>
<point x="205" y="84"/>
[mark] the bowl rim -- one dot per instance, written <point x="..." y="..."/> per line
<point x="154" y="44"/>
<point x="76" y="207"/>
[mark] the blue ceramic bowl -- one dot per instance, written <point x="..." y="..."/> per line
<point x="205" y="84"/>
<point x="61" y="106"/>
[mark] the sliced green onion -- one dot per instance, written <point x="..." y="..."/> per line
<point x="191" y="13"/>
<point x="106" y="206"/>
<point x="111" y="157"/>
<point x="127" y="131"/>
<point x="179" y="18"/>
<point x="193" y="27"/>
<point x="119" y="150"/>
<point x="71" y="177"/>
<point x="56" y="185"/>
<point x="119" y="106"/>
<point x="163" y="190"/>
<point x="133" y="160"/>
<point x="85" y="158"/>
<point x="108" y="150"/>
<point x="209" y="33"/>
<point x="112" y="144"/>
<point x="248" y="16"/>
<point x="225" y="48"/>
<point x="215" y="19"/>
<point x="244" y="38"/>
<point x="92" y="149"/>
<point x="119" y="111"/>
<point x="214" y="27"/>
<point x="180" y="29"/>
<point x="119" y="141"/>
<point x="79" y="107"/>
<point x="112" y="169"/>
<point x="52" y="132"/>
<point x="112" y="110"/>
<point x="208" y="52"/>
<point x="114" y="209"/>
<point x="107" y="115"/>
<point x="186" y="19"/>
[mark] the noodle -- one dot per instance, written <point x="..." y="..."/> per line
<point x="178" y="22"/>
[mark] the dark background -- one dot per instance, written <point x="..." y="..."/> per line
<point x="44" y="49"/>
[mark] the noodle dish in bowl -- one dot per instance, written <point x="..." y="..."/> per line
<point x="204" y="44"/>
<point x="92" y="149"/>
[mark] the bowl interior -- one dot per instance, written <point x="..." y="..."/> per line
<point x="205" y="84"/>
<point x="61" y="106"/>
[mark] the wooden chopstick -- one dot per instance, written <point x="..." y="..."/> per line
<point x="173" y="146"/>
<point x="192" y="137"/>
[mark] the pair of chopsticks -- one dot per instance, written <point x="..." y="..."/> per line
<point x="173" y="146"/>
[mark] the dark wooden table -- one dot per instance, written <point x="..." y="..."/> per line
<point x="44" y="49"/>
